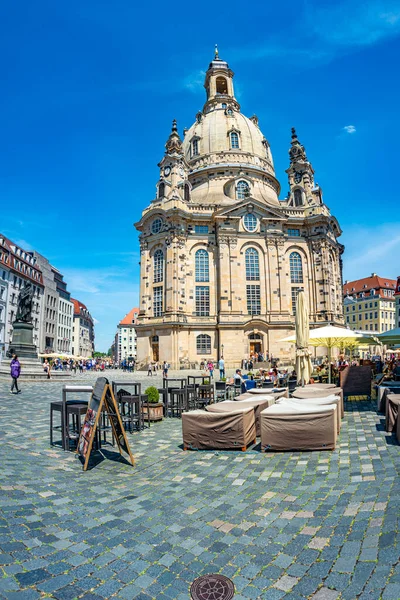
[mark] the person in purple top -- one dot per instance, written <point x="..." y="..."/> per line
<point x="15" y="366"/>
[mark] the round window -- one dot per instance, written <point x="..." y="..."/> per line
<point x="156" y="226"/>
<point x="250" y="222"/>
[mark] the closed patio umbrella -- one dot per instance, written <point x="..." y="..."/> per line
<point x="303" y="360"/>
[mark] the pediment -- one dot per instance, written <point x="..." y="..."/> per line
<point x="253" y="206"/>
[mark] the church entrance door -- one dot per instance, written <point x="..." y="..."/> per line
<point x="155" y="349"/>
<point x="255" y="347"/>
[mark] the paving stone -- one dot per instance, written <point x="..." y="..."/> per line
<point x="149" y="531"/>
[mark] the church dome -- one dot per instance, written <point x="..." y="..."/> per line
<point x="224" y="147"/>
<point x="213" y="130"/>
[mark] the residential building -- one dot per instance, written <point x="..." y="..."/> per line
<point x="83" y="331"/>
<point x="4" y="274"/>
<point x="126" y="345"/>
<point x="397" y="303"/>
<point x="20" y="267"/>
<point x="222" y="257"/>
<point x="369" y="303"/>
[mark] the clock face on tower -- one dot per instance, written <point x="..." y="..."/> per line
<point x="298" y="176"/>
<point x="167" y="171"/>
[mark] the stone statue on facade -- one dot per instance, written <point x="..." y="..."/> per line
<point x="25" y="303"/>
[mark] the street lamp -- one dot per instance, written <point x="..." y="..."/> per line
<point x="222" y="351"/>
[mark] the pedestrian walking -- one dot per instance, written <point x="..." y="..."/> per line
<point x="210" y="368"/>
<point x="165" y="369"/>
<point x="221" y="366"/>
<point x="149" y="370"/>
<point x="15" y="367"/>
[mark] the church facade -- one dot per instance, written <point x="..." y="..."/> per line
<point x="222" y="258"/>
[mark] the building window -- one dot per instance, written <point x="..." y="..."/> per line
<point x="295" y="293"/>
<point x="242" y="190"/>
<point x="201" y="229"/>
<point x="195" y="148"/>
<point x="222" y="86"/>
<point x="298" y="198"/>
<point x="203" y="344"/>
<point x="161" y="190"/>
<point x="234" y="140"/>
<point x="202" y="266"/>
<point x="293" y="232"/>
<point x="202" y="301"/>
<point x="250" y="222"/>
<point x="253" y="299"/>
<point x="156" y="226"/>
<point x="252" y="265"/>
<point x="186" y="192"/>
<point x="157" y="301"/>
<point x="296" y="268"/>
<point x="158" y="261"/>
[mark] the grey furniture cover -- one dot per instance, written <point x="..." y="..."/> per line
<point x="319" y="402"/>
<point x="310" y="392"/>
<point x="308" y="428"/>
<point x="204" y="430"/>
<point x="267" y="394"/>
<point x="321" y="386"/>
<point x="258" y="404"/>
<point x="392" y="411"/>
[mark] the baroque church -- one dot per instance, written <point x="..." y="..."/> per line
<point x="222" y="258"/>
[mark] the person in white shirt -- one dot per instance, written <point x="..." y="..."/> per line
<point x="221" y="366"/>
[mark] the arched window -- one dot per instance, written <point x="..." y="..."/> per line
<point x="186" y="192"/>
<point x="158" y="261"/>
<point x="298" y="198"/>
<point x="223" y="105"/>
<point x="195" y="148"/>
<point x="252" y="265"/>
<point x="203" y="344"/>
<point x="202" y="266"/>
<point x="161" y="190"/>
<point x="222" y="86"/>
<point x="234" y="140"/>
<point x="242" y="190"/>
<point x="296" y="268"/>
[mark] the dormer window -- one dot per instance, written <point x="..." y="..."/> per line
<point x="242" y="190"/>
<point x="229" y="112"/>
<point x="234" y="138"/>
<point x="223" y="105"/>
<point x="195" y="147"/>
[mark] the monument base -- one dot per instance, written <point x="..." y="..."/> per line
<point x="22" y="345"/>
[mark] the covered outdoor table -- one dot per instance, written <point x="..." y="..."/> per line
<point x="307" y="427"/>
<point x="307" y="392"/>
<point x="296" y="402"/>
<point x="259" y="404"/>
<point x="213" y="430"/>
<point x="382" y="391"/>
<point x="392" y="411"/>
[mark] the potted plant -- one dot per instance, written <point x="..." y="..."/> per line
<point x="153" y="405"/>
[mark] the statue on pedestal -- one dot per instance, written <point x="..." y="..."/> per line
<point x="25" y="302"/>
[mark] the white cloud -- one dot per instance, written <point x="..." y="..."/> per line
<point x="194" y="81"/>
<point x="349" y="129"/>
<point x="371" y="250"/>
<point x="356" y="23"/>
<point x="325" y="32"/>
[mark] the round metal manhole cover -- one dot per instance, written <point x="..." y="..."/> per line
<point x="212" y="587"/>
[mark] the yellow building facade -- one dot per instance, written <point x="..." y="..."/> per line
<point x="222" y="258"/>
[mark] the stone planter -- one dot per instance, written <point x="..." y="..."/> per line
<point x="156" y="411"/>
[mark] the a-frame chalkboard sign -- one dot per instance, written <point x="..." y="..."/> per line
<point x="102" y="399"/>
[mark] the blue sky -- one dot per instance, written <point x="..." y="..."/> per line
<point x="89" y="90"/>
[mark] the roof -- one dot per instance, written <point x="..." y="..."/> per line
<point x="130" y="318"/>
<point x="374" y="282"/>
<point x="77" y="306"/>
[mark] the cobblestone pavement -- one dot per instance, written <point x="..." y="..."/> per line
<point x="321" y="525"/>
